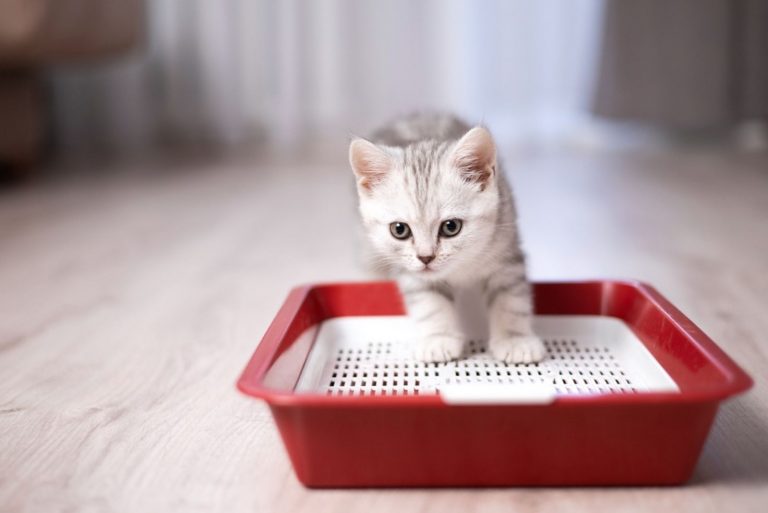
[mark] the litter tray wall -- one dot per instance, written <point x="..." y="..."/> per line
<point x="530" y="445"/>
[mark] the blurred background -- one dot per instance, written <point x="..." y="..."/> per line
<point x="119" y="78"/>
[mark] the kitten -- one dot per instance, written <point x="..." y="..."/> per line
<point x="440" y="218"/>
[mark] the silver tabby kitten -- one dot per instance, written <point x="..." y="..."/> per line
<point x="440" y="217"/>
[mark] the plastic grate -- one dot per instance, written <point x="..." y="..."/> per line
<point x="585" y="355"/>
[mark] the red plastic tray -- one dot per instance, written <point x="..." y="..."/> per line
<point x="420" y="440"/>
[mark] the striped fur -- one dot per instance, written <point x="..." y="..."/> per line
<point x="423" y="170"/>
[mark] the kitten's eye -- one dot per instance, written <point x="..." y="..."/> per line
<point x="450" y="228"/>
<point x="400" y="230"/>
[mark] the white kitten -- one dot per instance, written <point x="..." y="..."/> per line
<point x="440" y="217"/>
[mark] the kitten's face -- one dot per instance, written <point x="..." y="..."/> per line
<point x="426" y="213"/>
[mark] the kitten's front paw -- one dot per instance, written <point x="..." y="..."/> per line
<point x="439" y="348"/>
<point x="520" y="349"/>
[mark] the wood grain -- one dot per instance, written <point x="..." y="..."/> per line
<point x="129" y="305"/>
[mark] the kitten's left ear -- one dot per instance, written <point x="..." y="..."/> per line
<point x="474" y="156"/>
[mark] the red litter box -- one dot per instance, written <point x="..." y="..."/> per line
<point x="626" y="396"/>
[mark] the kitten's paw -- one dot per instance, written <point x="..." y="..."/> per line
<point x="439" y="348"/>
<point x="520" y="349"/>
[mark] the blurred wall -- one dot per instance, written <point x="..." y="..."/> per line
<point x="684" y="64"/>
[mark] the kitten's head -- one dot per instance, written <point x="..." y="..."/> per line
<point x="429" y="209"/>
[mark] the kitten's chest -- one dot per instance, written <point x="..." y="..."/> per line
<point x="472" y="312"/>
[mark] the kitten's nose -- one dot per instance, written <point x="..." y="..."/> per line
<point x="426" y="259"/>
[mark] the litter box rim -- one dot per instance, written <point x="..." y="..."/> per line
<point x="307" y="306"/>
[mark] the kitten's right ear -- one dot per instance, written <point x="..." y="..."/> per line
<point x="369" y="162"/>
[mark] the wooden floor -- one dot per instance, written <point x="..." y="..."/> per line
<point x="129" y="305"/>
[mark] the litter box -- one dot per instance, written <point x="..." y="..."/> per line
<point x="626" y="395"/>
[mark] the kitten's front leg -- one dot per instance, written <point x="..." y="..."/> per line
<point x="430" y="306"/>
<point x="510" y="313"/>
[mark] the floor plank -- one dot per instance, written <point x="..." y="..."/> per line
<point x="130" y="304"/>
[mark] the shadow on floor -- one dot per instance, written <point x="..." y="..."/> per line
<point x="737" y="448"/>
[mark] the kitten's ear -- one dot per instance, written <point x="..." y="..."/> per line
<point x="475" y="156"/>
<point x="369" y="162"/>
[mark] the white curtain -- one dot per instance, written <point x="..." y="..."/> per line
<point x="290" y="72"/>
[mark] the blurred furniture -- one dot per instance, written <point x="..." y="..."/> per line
<point x="35" y="34"/>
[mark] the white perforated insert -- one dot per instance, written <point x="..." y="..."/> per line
<point x="585" y="355"/>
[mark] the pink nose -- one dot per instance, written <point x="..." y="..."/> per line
<point x="426" y="259"/>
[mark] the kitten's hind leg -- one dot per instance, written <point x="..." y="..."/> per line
<point x="510" y="313"/>
<point x="431" y="307"/>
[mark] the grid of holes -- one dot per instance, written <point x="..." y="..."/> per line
<point x="379" y="368"/>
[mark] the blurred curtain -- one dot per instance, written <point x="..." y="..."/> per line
<point x="688" y="64"/>
<point x="292" y="71"/>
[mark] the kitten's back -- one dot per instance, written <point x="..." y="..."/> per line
<point x="419" y="127"/>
